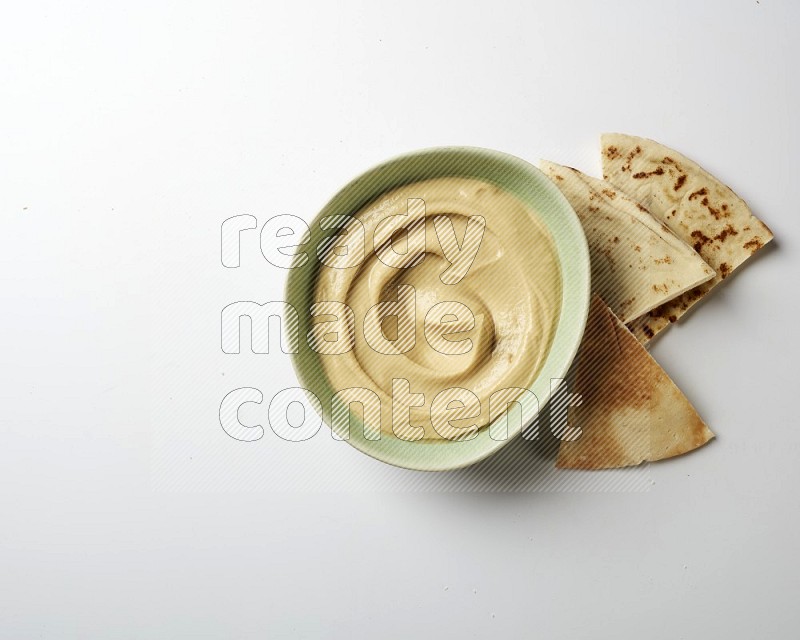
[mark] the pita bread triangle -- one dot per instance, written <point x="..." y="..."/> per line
<point x="631" y="412"/>
<point x="697" y="207"/>
<point x="637" y="262"/>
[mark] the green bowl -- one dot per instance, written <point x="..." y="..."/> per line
<point x="528" y="184"/>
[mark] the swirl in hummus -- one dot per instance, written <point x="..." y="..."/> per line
<point x="455" y="294"/>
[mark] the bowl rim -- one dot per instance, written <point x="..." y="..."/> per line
<point x="523" y="180"/>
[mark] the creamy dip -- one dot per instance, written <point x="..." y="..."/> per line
<point x="475" y="323"/>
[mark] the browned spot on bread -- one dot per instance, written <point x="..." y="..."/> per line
<point x="668" y="160"/>
<point x="727" y="231"/>
<point x="724" y="270"/>
<point x="698" y="193"/>
<point x="608" y="256"/>
<point x="642" y="208"/>
<point x="612" y="152"/>
<point x="673" y="319"/>
<point x="616" y="240"/>
<point x="648" y="331"/>
<point x="753" y="245"/>
<point x="664" y="260"/>
<point x="679" y="182"/>
<point x="630" y="157"/>
<point x="558" y="177"/>
<point x="700" y="240"/>
<point x="655" y="172"/>
<point x="714" y="212"/>
<point x="611" y="194"/>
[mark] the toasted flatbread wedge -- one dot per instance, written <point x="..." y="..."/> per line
<point x="631" y="412"/>
<point x="697" y="207"/>
<point x="637" y="262"/>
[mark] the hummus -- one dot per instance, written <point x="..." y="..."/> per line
<point x="455" y="292"/>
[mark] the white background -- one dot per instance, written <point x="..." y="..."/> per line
<point x="128" y="132"/>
